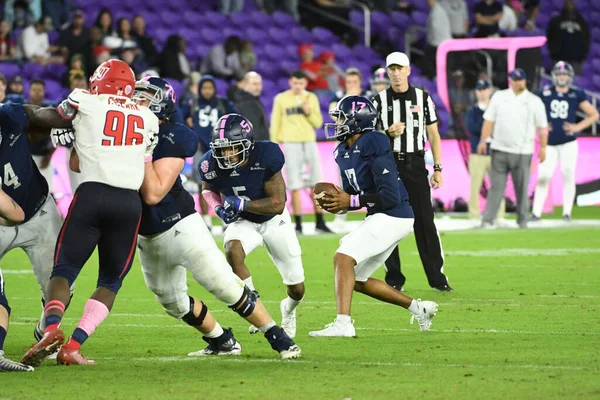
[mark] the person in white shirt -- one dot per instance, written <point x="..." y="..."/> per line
<point x="438" y="30"/>
<point x="458" y="13"/>
<point x="34" y="45"/>
<point x="512" y="119"/>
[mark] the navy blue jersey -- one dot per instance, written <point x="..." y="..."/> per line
<point x="368" y="167"/>
<point x="561" y="108"/>
<point x="20" y="177"/>
<point x="248" y="181"/>
<point x="175" y="140"/>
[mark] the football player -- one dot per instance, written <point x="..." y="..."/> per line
<point x="173" y="238"/>
<point x="380" y="81"/>
<point x="113" y="139"/>
<point x="562" y="102"/>
<point x="23" y="182"/>
<point x="10" y="214"/>
<point x="369" y="179"/>
<point x="248" y="175"/>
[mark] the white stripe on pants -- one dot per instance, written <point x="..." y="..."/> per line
<point x="567" y="155"/>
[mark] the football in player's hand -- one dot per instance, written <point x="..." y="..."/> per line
<point x="321" y="190"/>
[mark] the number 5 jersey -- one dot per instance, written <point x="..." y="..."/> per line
<point x="111" y="137"/>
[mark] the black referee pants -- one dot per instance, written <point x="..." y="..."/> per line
<point x="413" y="173"/>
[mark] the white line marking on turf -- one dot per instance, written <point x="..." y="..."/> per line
<point x="521" y="252"/>
<point x="329" y="362"/>
<point x="17" y="272"/>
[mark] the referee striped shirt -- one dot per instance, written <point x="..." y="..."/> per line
<point x="415" y="108"/>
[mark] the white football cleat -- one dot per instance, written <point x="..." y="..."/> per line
<point x="224" y="345"/>
<point x="7" y="365"/>
<point x="252" y="330"/>
<point x="288" y="320"/>
<point x="291" y="353"/>
<point x="335" y="329"/>
<point x="425" y="315"/>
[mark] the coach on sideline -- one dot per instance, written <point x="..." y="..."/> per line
<point x="407" y="115"/>
<point x="513" y="116"/>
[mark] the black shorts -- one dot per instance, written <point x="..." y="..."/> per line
<point x="99" y="215"/>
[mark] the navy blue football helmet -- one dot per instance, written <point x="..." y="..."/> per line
<point x="352" y="114"/>
<point x="562" y="68"/>
<point x="232" y="141"/>
<point x="159" y="93"/>
<point x="379" y="77"/>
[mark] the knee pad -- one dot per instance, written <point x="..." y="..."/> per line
<point x="246" y="304"/>
<point x="4" y="303"/>
<point x="190" y="318"/>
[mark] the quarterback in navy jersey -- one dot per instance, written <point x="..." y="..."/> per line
<point x="248" y="175"/>
<point x="21" y="180"/>
<point x="562" y="102"/>
<point x="369" y="179"/>
<point x="173" y="238"/>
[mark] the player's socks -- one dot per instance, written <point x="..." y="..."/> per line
<point x="216" y="332"/>
<point x="344" y="319"/>
<point x="298" y="221"/>
<point x="414" y="307"/>
<point x="266" y="327"/>
<point x="52" y="321"/>
<point x="319" y="218"/>
<point x="2" y="337"/>
<point x="93" y="314"/>
<point x="290" y="304"/>
<point x="249" y="283"/>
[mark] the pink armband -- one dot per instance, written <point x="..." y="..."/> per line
<point x="355" y="201"/>
<point x="147" y="158"/>
<point x="543" y="131"/>
<point x="212" y="198"/>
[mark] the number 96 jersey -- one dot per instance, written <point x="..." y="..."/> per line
<point x="111" y="137"/>
<point x="561" y="108"/>
<point x="248" y="181"/>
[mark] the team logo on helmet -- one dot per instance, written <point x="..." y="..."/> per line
<point x="100" y="73"/>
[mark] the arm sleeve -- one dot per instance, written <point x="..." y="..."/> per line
<point x="183" y="147"/>
<point x="490" y="111"/>
<point x="541" y="119"/>
<point x="16" y="113"/>
<point x="581" y="96"/>
<point x="315" y="117"/>
<point x="275" y="161"/>
<point x="430" y="114"/>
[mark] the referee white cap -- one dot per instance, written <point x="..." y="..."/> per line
<point x="397" y="58"/>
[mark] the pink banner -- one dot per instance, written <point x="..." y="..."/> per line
<point x="456" y="175"/>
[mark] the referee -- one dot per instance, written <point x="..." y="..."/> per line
<point x="407" y="115"/>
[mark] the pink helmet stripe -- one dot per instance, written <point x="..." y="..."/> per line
<point x="222" y="127"/>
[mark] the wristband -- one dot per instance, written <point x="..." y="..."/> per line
<point x="148" y="158"/>
<point x="355" y="201"/>
<point x="243" y="205"/>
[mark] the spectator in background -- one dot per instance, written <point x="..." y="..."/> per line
<point x="510" y="15"/>
<point x="353" y="85"/>
<point x="459" y="95"/>
<point x="288" y="6"/>
<point x="145" y="42"/>
<point x="295" y="116"/>
<point x="41" y="151"/>
<point x="314" y="71"/>
<point x="223" y="60"/>
<point x="479" y="164"/>
<point x="380" y="81"/>
<point x="58" y="10"/>
<point x="202" y="118"/>
<point x="173" y="61"/>
<point x="438" y="30"/>
<point x="247" y="55"/>
<point x="15" y="86"/>
<point x="128" y="55"/>
<point x="76" y="67"/>
<point x="78" y="81"/>
<point x="101" y="54"/>
<point x="532" y="8"/>
<point x="250" y="106"/>
<point x="188" y="100"/>
<point x="487" y="15"/>
<point x="75" y="39"/>
<point x="34" y="45"/>
<point x="227" y="7"/>
<point x="235" y="91"/>
<point x="104" y="22"/>
<point x="2" y="88"/>
<point x="513" y="116"/>
<point x="569" y="37"/>
<point x="331" y="71"/>
<point x="21" y="13"/>
<point x="458" y="13"/>
<point x="123" y="39"/>
<point x="7" y="43"/>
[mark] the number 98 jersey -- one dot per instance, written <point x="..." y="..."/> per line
<point x="111" y="137"/>
<point x="19" y="177"/>
<point x="248" y="181"/>
<point x="561" y="108"/>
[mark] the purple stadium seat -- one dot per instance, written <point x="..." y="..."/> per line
<point x="419" y="18"/>
<point x="221" y="86"/>
<point x="301" y="35"/>
<point x="232" y="31"/>
<point x="192" y="18"/>
<point x="341" y="51"/>
<point x="215" y="19"/>
<point x="188" y="34"/>
<point x="54" y="71"/>
<point x="32" y="71"/>
<point x="283" y="20"/>
<point x="357" y="17"/>
<point x="324" y="36"/>
<point x="170" y="18"/>
<point x="177" y="5"/>
<point x="260" y="19"/>
<point x="213" y="36"/>
<point x="400" y="19"/>
<point x="269" y="86"/>
<point x="54" y="90"/>
<point x="257" y="36"/>
<point x="53" y="36"/>
<point x="291" y="50"/>
<point x="279" y="35"/>
<point x="283" y="84"/>
<point x="202" y="49"/>
<point x="273" y="52"/>
<point x="239" y="19"/>
<point x="288" y="66"/>
<point x="9" y="70"/>
<point x="380" y="21"/>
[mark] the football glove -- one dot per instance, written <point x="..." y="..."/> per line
<point x="62" y="136"/>
<point x="227" y="217"/>
<point x="235" y="204"/>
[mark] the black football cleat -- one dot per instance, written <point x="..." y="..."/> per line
<point x="443" y="288"/>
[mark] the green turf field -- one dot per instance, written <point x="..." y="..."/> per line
<point x="523" y="323"/>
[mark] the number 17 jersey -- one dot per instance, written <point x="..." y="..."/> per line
<point x="111" y="136"/>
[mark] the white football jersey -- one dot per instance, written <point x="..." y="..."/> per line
<point x="111" y="137"/>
